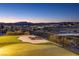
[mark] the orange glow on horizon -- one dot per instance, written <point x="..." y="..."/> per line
<point x="13" y="20"/>
<point x="33" y="20"/>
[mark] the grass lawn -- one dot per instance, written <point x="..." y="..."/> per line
<point x="27" y="49"/>
<point x="6" y="40"/>
<point x="9" y="39"/>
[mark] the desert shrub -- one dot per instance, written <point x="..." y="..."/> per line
<point x="10" y="33"/>
<point x="17" y="33"/>
<point x="26" y="33"/>
<point x="52" y="37"/>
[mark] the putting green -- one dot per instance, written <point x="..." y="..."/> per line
<point x="9" y="39"/>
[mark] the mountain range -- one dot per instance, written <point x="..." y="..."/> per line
<point x="30" y="24"/>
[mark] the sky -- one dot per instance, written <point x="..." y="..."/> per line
<point x="38" y="12"/>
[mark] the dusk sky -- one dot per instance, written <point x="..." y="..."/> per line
<point x="39" y="12"/>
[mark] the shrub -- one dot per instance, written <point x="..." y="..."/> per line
<point x="17" y="33"/>
<point x="52" y="37"/>
<point x="10" y="33"/>
<point x="26" y="33"/>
